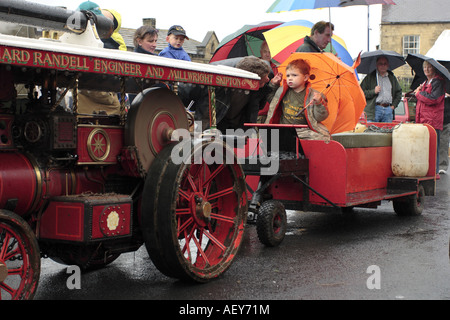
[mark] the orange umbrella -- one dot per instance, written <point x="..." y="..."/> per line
<point x="338" y="82"/>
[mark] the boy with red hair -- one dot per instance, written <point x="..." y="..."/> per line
<point x="297" y="103"/>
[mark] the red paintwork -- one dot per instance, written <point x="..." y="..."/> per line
<point x="25" y="57"/>
<point x="129" y="162"/>
<point x="21" y="180"/>
<point x="160" y="127"/>
<point x="83" y="219"/>
<point x="345" y="176"/>
<point x="336" y="172"/>
<point x="115" y="136"/>
<point x="287" y="189"/>
<point x="18" y="180"/>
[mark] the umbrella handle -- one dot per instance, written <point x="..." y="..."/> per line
<point x="303" y="109"/>
<point x="312" y="101"/>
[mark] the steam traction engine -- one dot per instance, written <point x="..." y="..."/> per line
<point x="84" y="188"/>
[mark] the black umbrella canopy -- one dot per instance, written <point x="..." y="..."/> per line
<point x="369" y="60"/>
<point x="239" y="43"/>
<point x="416" y="61"/>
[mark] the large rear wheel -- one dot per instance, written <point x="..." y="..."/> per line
<point x="20" y="260"/>
<point x="194" y="213"/>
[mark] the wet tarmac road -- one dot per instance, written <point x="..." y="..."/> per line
<point x="324" y="256"/>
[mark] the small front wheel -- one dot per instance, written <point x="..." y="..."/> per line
<point x="271" y="224"/>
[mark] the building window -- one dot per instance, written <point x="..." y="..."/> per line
<point x="411" y="44"/>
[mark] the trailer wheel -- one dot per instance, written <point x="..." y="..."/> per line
<point x="411" y="206"/>
<point x="271" y="224"/>
<point x="194" y="213"/>
<point x="20" y="260"/>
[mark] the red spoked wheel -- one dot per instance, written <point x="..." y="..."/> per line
<point x="20" y="263"/>
<point x="194" y="213"/>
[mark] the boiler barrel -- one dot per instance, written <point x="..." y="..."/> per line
<point x="52" y="18"/>
<point x="20" y="182"/>
<point x="24" y="186"/>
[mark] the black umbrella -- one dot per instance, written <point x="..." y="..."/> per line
<point x="416" y="61"/>
<point x="369" y="60"/>
<point x="244" y="42"/>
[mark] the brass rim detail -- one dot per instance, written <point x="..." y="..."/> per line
<point x="95" y="144"/>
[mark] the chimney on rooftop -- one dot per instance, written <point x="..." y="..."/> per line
<point x="149" y="22"/>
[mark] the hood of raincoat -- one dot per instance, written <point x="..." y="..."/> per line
<point x="116" y="36"/>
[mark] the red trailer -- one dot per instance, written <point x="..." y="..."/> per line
<point x="83" y="188"/>
<point x="352" y="170"/>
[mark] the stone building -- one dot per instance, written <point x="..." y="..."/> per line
<point x="412" y="26"/>
<point x="198" y="51"/>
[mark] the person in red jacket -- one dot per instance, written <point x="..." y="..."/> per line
<point x="430" y="102"/>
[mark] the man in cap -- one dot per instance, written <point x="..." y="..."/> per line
<point x="175" y="37"/>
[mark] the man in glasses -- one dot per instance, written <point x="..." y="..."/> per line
<point x="383" y="92"/>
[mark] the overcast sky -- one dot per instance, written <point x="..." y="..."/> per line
<point x="224" y="17"/>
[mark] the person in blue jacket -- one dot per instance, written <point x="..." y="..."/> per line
<point x="175" y="37"/>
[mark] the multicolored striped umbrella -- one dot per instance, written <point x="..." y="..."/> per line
<point x="297" y="5"/>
